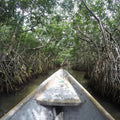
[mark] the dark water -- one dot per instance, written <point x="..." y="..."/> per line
<point x="8" y="102"/>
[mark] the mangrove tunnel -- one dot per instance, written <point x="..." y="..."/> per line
<point x="39" y="35"/>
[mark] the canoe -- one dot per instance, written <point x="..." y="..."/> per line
<point x="60" y="97"/>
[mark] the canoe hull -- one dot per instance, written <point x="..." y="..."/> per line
<point x="29" y="109"/>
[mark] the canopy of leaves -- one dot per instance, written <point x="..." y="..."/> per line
<point x="37" y="34"/>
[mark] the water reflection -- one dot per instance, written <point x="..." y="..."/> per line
<point x="111" y="108"/>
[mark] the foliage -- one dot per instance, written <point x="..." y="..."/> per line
<point x="21" y="47"/>
<point x="38" y="34"/>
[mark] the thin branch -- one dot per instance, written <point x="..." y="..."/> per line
<point x="30" y="28"/>
<point x="85" y="35"/>
<point x="98" y="20"/>
<point x="91" y="12"/>
<point x="12" y="40"/>
<point x="88" y="39"/>
<point x="39" y="47"/>
<point x="117" y="27"/>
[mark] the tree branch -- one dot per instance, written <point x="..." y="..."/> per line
<point x="91" y="11"/>
<point x="100" y="24"/>
<point x="88" y="39"/>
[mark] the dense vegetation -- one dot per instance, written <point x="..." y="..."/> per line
<point x="37" y="35"/>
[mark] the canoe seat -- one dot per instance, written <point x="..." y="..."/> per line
<point x="58" y="92"/>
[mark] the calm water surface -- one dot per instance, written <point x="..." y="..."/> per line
<point x="8" y="102"/>
<point x="110" y="107"/>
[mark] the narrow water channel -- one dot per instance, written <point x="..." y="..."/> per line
<point x="110" y="107"/>
<point x="8" y="102"/>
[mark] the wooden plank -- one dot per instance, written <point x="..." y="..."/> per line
<point x="58" y="115"/>
<point x="58" y="92"/>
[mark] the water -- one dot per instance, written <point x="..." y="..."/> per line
<point x="110" y="107"/>
<point x="8" y="102"/>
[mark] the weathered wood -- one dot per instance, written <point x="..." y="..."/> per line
<point x="58" y="115"/>
<point x="58" y="92"/>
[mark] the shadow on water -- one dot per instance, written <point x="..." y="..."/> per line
<point x="8" y="102"/>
